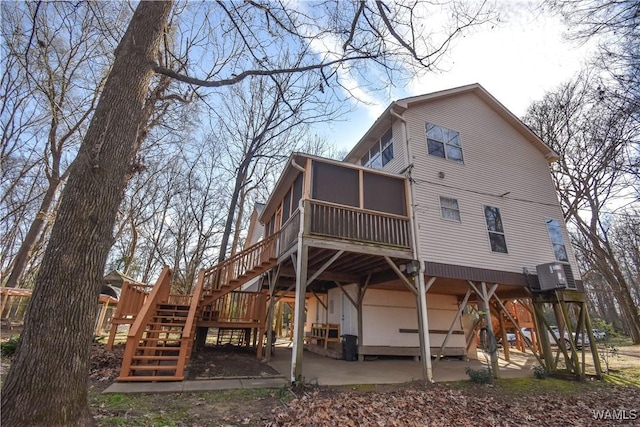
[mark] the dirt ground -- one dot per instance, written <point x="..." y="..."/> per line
<point x="227" y="361"/>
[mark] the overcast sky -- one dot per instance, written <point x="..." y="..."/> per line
<point x="517" y="61"/>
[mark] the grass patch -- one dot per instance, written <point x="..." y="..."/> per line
<point x="523" y="386"/>
<point x="624" y="376"/>
<point x="180" y="409"/>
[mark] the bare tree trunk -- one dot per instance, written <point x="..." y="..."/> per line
<point x="30" y="239"/>
<point x="238" y="226"/>
<point x="239" y="182"/>
<point x="47" y="382"/>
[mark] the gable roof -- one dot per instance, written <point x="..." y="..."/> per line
<point x="398" y="107"/>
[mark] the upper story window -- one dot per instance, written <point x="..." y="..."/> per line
<point x="449" y="209"/>
<point x="557" y="241"/>
<point x="380" y="153"/>
<point x="443" y="142"/>
<point x="495" y="229"/>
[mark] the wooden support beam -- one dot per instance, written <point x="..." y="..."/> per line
<point x="518" y="331"/>
<point x="353" y="303"/>
<point x="322" y="303"/>
<point x="324" y="267"/>
<point x="401" y="276"/>
<point x="455" y="319"/>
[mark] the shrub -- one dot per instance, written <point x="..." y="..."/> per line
<point x="8" y="348"/>
<point x="479" y="376"/>
<point x="540" y="372"/>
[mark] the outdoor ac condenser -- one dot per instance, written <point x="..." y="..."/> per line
<point x="554" y="275"/>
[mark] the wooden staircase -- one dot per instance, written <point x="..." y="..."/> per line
<point x="158" y="351"/>
<point x="161" y="338"/>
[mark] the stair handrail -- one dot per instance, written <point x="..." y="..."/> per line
<point x="193" y="308"/>
<point x="159" y="292"/>
<point x="265" y="246"/>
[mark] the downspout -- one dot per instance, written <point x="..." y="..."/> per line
<point x="297" y="166"/>
<point x="425" y="351"/>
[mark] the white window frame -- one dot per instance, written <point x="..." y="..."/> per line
<point x="495" y="232"/>
<point x="450" y="209"/>
<point x="374" y="158"/>
<point x="446" y="142"/>
<point x="561" y="243"/>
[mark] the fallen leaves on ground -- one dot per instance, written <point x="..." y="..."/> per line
<point x="442" y="406"/>
<point x="105" y="364"/>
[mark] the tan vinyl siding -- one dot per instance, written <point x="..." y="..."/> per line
<point x="497" y="160"/>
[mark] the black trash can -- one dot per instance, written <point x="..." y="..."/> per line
<point x="350" y="347"/>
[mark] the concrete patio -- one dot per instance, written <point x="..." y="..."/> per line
<point x="331" y="372"/>
<point x="320" y="370"/>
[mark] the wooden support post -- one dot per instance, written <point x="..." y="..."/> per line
<point x="298" y="325"/>
<point x="592" y="346"/>
<point x="423" y="325"/>
<point x="273" y="277"/>
<point x="486" y="314"/>
<point x="103" y="313"/>
<point x="542" y="327"/>
<point x="572" y="342"/>
<point x="518" y="329"/>
<point x="503" y="334"/>
<point x="361" y="291"/>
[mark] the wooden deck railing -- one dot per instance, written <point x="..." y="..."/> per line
<point x="132" y="299"/>
<point x="289" y="233"/>
<point x="236" y="307"/>
<point x="343" y="222"/>
<point x="189" y="327"/>
<point x="239" y="264"/>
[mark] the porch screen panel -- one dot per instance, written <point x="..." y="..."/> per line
<point x="335" y="184"/>
<point x="286" y="206"/>
<point x="297" y="192"/>
<point x="384" y="194"/>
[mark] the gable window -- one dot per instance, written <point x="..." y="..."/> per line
<point x="449" y="208"/>
<point x="495" y="229"/>
<point x="443" y="142"/>
<point x="557" y="241"/>
<point x="380" y="153"/>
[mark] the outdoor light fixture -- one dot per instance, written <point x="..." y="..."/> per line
<point x="411" y="269"/>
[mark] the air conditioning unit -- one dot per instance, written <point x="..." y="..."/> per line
<point x="554" y="275"/>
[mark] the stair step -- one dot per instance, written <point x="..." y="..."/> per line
<point x="174" y="306"/>
<point x="158" y="348"/>
<point x="155" y="358"/>
<point x="147" y="378"/>
<point x="167" y="313"/>
<point x="181" y="323"/>
<point x="157" y="369"/>
<point x="164" y="336"/>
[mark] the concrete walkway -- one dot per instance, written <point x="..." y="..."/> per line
<point x="320" y="370"/>
<point x="194" y="386"/>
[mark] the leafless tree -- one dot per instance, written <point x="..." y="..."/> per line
<point x="261" y="121"/>
<point x="47" y="380"/>
<point x="590" y="176"/>
<point x="52" y="86"/>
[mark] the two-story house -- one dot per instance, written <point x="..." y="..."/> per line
<point x="447" y="201"/>
<point x="452" y="180"/>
